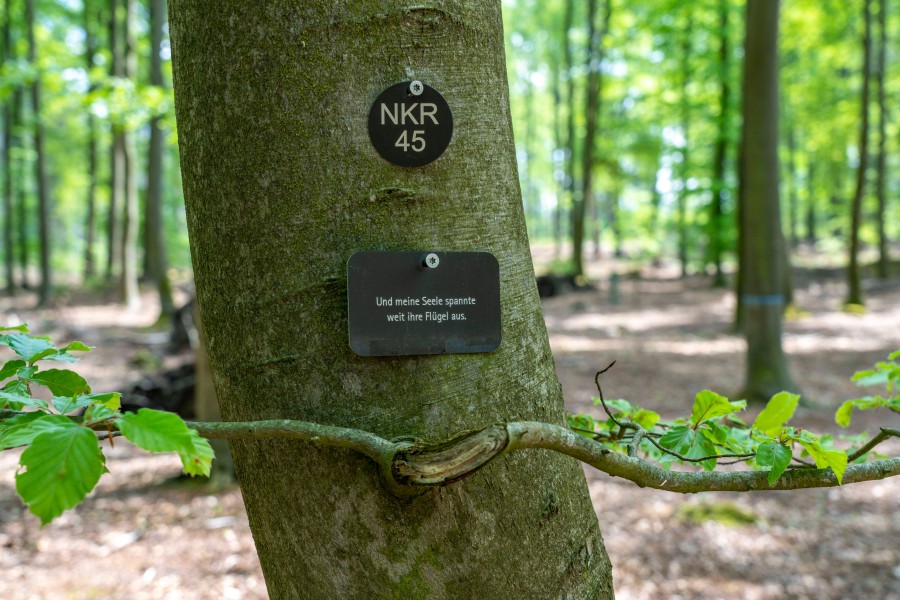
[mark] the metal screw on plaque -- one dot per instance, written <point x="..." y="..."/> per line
<point x="432" y="261"/>
<point x="416" y="88"/>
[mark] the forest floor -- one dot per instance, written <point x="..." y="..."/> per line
<point x="145" y="535"/>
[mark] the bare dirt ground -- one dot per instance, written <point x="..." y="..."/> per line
<point x="143" y="535"/>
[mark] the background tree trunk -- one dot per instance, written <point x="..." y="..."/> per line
<point x="854" y="279"/>
<point x="720" y="185"/>
<point x="90" y="225"/>
<point x="45" y="291"/>
<point x="881" y="161"/>
<point x="282" y="185"/>
<point x="129" y="293"/>
<point x="117" y="151"/>
<point x="8" y="219"/>
<point x="762" y="246"/>
<point x="155" y="240"/>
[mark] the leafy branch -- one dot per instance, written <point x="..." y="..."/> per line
<point x="63" y="460"/>
<point x="714" y="432"/>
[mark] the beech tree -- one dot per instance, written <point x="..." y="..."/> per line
<point x="281" y="186"/>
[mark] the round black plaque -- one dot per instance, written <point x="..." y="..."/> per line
<point x="410" y="124"/>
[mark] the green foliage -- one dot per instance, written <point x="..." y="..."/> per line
<point x="886" y="373"/>
<point x="63" y="460"/>
<point x="714" y="431"/>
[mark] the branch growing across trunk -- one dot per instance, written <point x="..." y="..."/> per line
<point x="408" y="465"/>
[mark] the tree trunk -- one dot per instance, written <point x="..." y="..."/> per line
<point x="592" y="110"/>
<point x="685" y="147"/>
<point x="281" y="186"/>
<point x="8" y="219"/>
<point x="717" y="223"/>
<point x="117" y="152"/>
<point x="811" y="213"/>
<point x="155" y="240"/>
<point x="21" y="206"/>
<point x="129" y="294"/>
<point x="881" y="164"/>
<point x="207" y="406"/>
<point x="854" y="283"/>
<point x="90" y="225"/>
<point x="762" y="245"/>
<point x="45" y="291"/>
<point x="571" y="142"/>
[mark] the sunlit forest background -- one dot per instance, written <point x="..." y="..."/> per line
<point x="644" y="133"/>
<point x="627" y="121"/>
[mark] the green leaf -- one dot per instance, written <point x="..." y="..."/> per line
<point x="845" y="410"/>
<point x="894" y="355"/>
<point x="21" y="328"/>
<point x="78" y="347"/>
<point x="62" y="382"/>
<point x="646" y="419"/>
<point x="11" y="368"/>
<point x="870" y="377"/>
<point x="678" y="439"/>
<point x="156" y="431"/>
<point x="199" y="460"/>
<point x="16" y="431"/>
<point x="708" y="405"/>
<point x="17" y="386"/>
<point x="96" y="413"/>
<point x="775" y="456"/>
<point x="62" y="466"/>
<point x="29" y="347"/>
<point x="67" y="404"/>
<point x="777" y="412"/>
<point x="836" y="459"/>
<point x="20" y="400"/>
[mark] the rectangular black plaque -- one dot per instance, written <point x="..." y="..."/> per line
<point x="402" y="303"/>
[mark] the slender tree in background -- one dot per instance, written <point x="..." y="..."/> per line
<point x="594" y="61"/>
<point x="21" y="202"/>
<point x="762" y="245"/>
<point x="42" y="184"/>
<point x="90" y="225"/>
<point x="154" y="240"/>
<point x="278" y="196"/>
<point x="854" y="285"/>
<point x="881" y="159"/>
<point x="117" y="149"/>
<point x="720" y="185"/>
<point x="8" y="219"/>
<point x="129" y="294"/>
<point x="685" y="170"/>
<point x="571" y="142"/>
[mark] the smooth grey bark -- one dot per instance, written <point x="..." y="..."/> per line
<point x="762" y="287"/>
<point x="281" y="186"/>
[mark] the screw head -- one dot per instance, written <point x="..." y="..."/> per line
<point x="416" y="88"/>
<point x="432" y="261"/>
